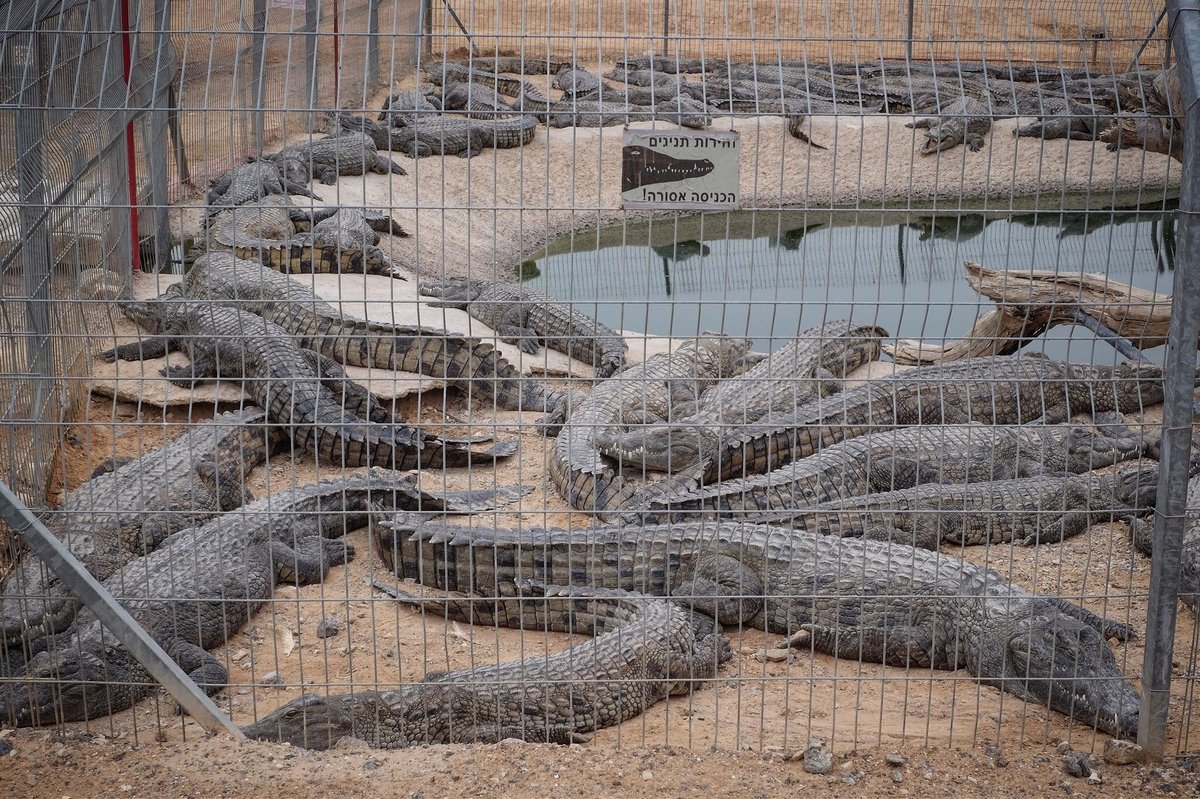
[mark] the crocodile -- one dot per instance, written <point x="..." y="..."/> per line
<point x="653" y="388"/>
<point x="343" y="154"/>
<point x="573" y="81"/>
<point x="295" y="240"/>
<point x="682" y="111"/>
<point x="1160" y="128"/>
<point x="643" y="77"/>
<point x="896" y="459"/>
<point x="1189" y="568"/>
<point x="808" y="367"/>
<point x="467" y="363"/>
<point x="475" y="101"/>
<point x="670" y="65"/>
<point x="299" y="388"/>
<point x="443" y="72"/>
<point x="1067" y="119"/>
<point x="255" y="180"/>
<point x="197" y="589"/>
<point x="420" y="136"/>
<point x="873" y="601"/>
<point x="1000" y="390"/>
<point x="121" y="514"/>
<point x="1031" y="510"/>
<point x="407" y="102"/>
<point x="519" y="65"/>
<point x="530" y="319"/>
<point x="645" y="650"/>
<point x="962" y="121"/>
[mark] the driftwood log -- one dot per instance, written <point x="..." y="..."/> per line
<point x="1030" y="302"/>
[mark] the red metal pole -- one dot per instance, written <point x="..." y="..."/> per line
<point x="129" y="150"/>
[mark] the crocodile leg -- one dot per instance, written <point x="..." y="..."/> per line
<point x="1071" y="524"/>
<point x="386" y="166"/>
<point x="1106" y="627"/>
<point x="892" y="646"/>
<point x="110" y="465"/>
<point x="202" y="668"/>
<point x="526" y="338"/>
<point x="203" y="366"/>
<point x="708" y="580"/>
<point x="300" y="190"/>
<point x="309" y="561"/>
<point x="144" y="349"/>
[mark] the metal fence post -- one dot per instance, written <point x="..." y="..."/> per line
<point x="139" y="643"/>
<point x="1178" y="403"/>
<point x="258" y="42"/>
<point x="372" y="78"/>
<point x="312" y="20"/>
<point x="908" y="41"/>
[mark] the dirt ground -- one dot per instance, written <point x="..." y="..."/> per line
<point x="728" y="738"/>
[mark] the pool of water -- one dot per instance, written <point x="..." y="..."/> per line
<point x="770" y="274"/>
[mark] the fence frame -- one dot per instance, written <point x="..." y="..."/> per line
<point x="1178" y="403"/>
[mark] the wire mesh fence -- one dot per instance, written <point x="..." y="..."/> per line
<point x="878" y="454"/>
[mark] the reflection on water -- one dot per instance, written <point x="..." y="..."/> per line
<point x="770" y="275"/>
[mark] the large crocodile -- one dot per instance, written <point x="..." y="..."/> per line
<point x="1031" y="510"/>
<point x="531" y="319"/>
<point x="202" y="584"/>
<point x="896" y="459"/>
<point x="466" y="362"/>
<point x="651" y="389"/>
<point x="298" y="388"/>
<point x="1066" y="118"/>
<point x="1000" y="390"/>
<point x="808" y="367"/>
<point x="866" y="600"/>
<point x="1189" y="567"/>
<point x="422" y="135"/>
<point x="296" y="240"/>
<point x="645" y="650"/>
<point x="343" y="154"/>
<point x="443" y="72"/>
<point x="963" y="121"/>
<point x="119" y="515"/>
<point x="683" y="111"/>
<point x="255" y="180"/>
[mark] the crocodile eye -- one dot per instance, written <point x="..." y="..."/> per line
<point x="293" y="713"/>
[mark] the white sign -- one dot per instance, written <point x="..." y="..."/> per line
<point x="684" y="169"/>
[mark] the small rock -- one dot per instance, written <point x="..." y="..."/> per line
<point x="818" y="759"/>
<point x="773" y="655"/>
<point x="897" y="776"/>
<point x="1080" y="764"/>
<point x="647" y="774"/>
<point x="1121" y="753"/>
<point x="995" y="757"/>
<point x="1095" y="779"/>
<point x="271" y="678"/>
<point x="5" y="746"/>
<point x="329" y="627"/>
<point x="894" y="759"/>
<point x="371" y="765"/>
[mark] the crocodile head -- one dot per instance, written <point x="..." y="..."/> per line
<point x="33" y="602"/>
<point x="664" y="449"/>
<point x="456" y="289"/>
<point x="155" y="315"/>
<point x="314" y="722"/>
<point x="1055" y="659"/>
<point x="417" y="714"/>
<point x="943" y="136"/>
<point x="71" y="682"/>
<point x="1136" y="486"/>
<point x="1079" y="448"/>
<point x="1127" y="387"/>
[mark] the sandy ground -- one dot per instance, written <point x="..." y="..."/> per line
<point x="485" y="215"/>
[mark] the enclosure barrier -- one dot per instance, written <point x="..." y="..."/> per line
<point x="122" y="112"/>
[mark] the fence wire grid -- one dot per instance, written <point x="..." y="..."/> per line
<point x="340" y="356"/>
